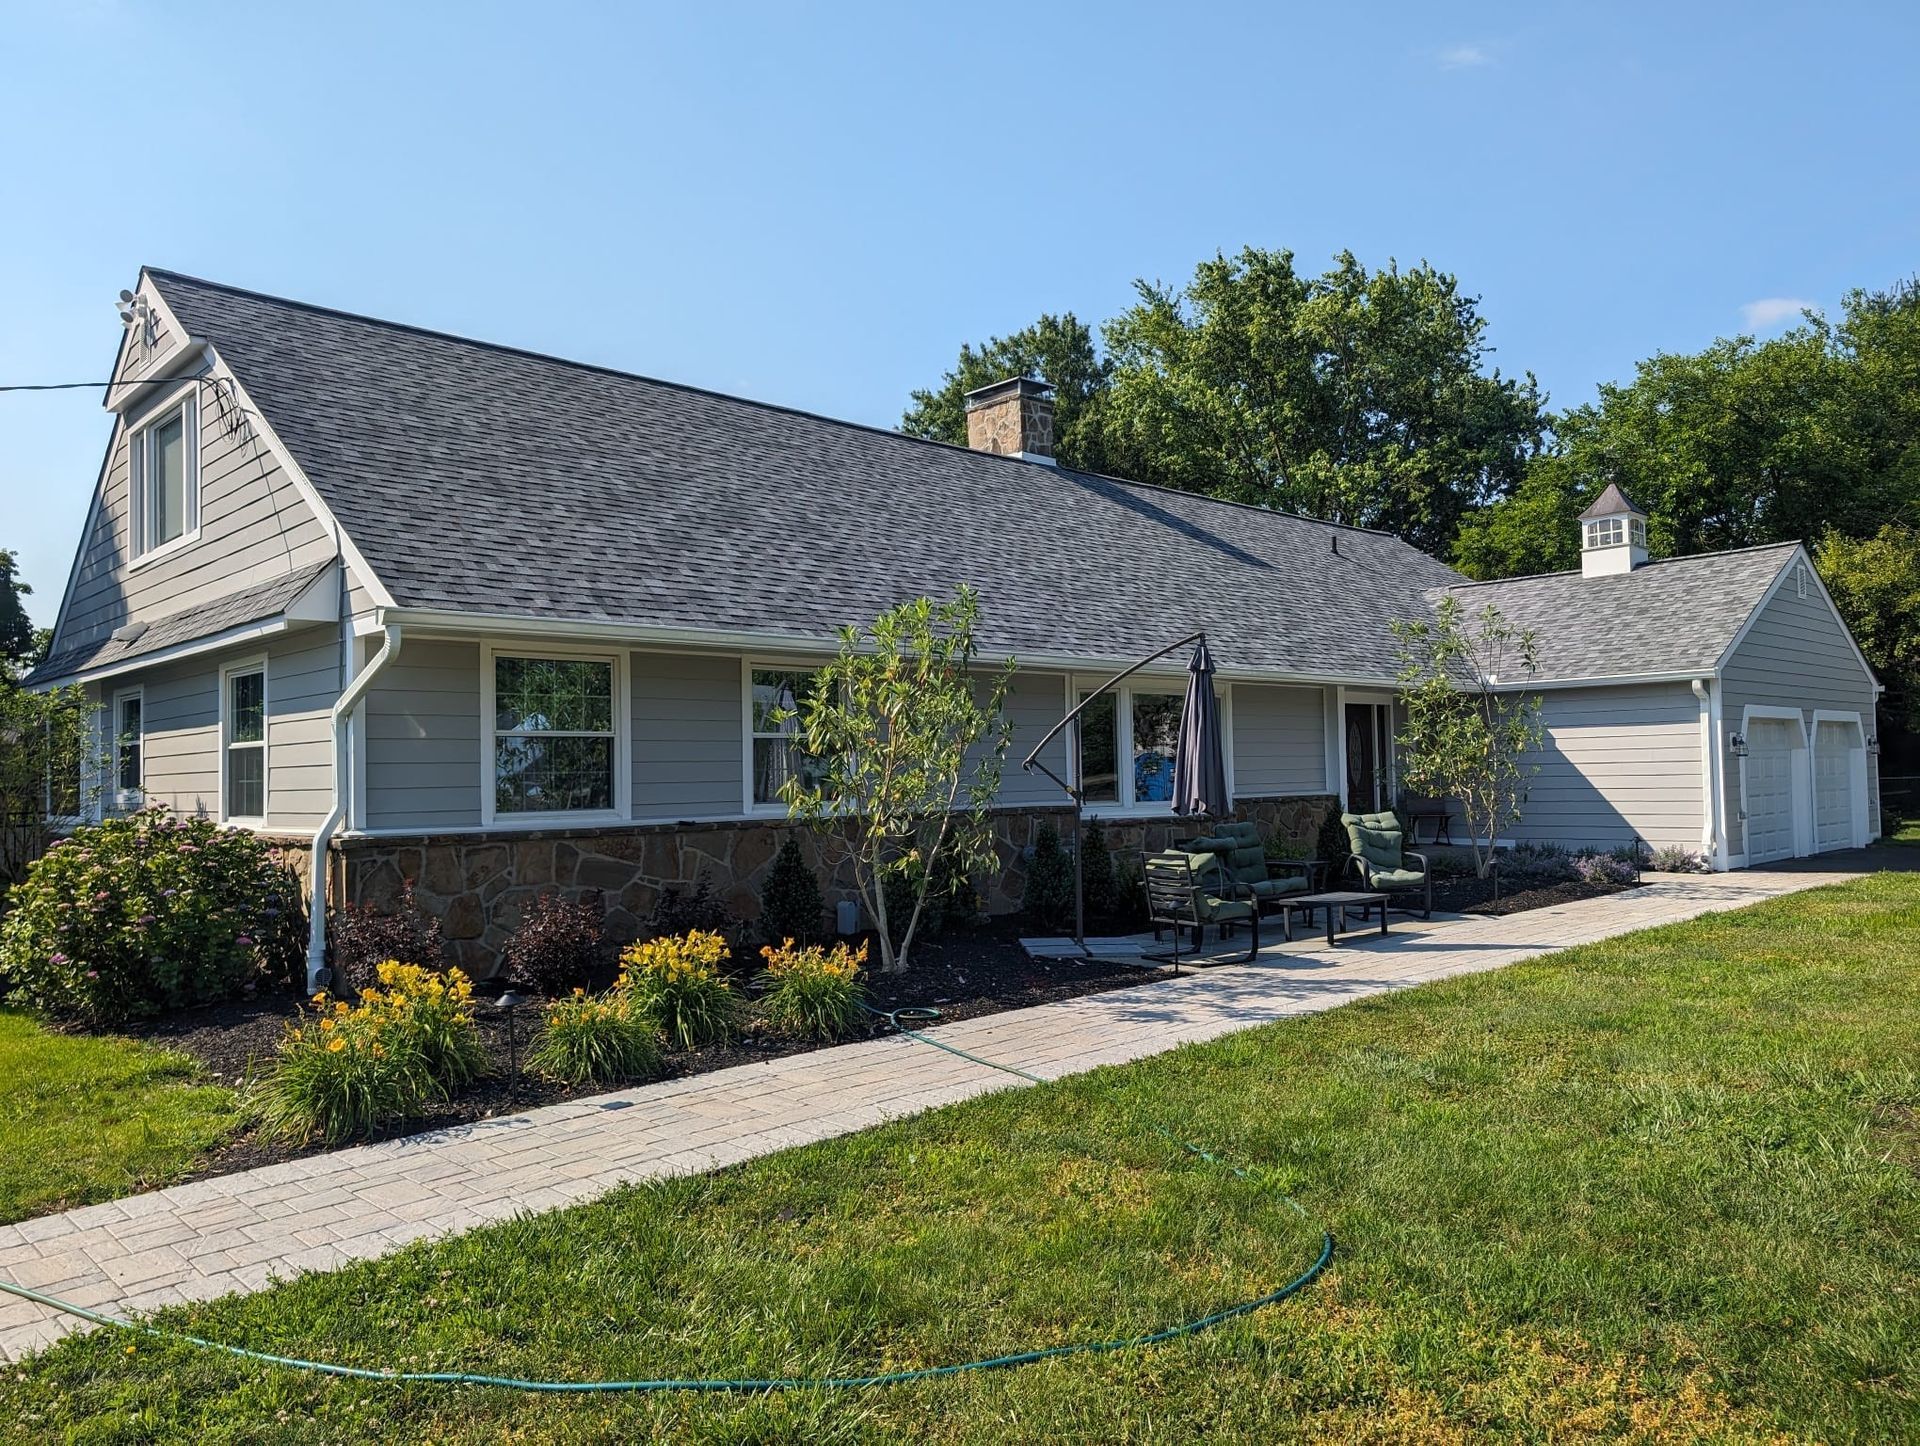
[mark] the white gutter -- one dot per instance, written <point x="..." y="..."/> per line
<point x="343" y="706"/>
<point x="1709" y="775"/>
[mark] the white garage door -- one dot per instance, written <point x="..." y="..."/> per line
<point x="1769" y="777"/>
<point x="1833" y="821"/>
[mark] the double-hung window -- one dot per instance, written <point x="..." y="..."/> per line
<point x="1124" y="744"/>
<point x="555" y="731"/>
<point x="777" y="697"/>
<point x="164" y="464"/>
<point x="243" y="729"/>
<point x="127" y="748"/>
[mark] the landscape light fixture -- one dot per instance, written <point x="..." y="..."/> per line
<point x="507" y="1003"/>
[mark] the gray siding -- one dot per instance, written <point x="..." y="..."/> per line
<point x="254" y="527"/>
<point x="1279" y="741"/>
<point x="1034" y="704"/>
<point x="303" y="679"/>
<point x="423" y="739"/>
<point x="1617" y="762"/>
<point x="180" y="724"/>
<point x="1796" y="655"/>
<point x="688" y="757"/>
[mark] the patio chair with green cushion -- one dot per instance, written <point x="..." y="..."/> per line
<point x="1243" y="860"/>
<point x="1384" y="863"/>
<point x="1187" y="891"/>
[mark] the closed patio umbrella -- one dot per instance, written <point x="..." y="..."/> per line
<point x="1199" y="762"/>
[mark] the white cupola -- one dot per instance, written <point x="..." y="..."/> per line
<point x="1613" y="535"/>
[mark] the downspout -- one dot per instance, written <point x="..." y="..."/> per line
<point x="342" y="786"/>
<point x="1709" y="774"/>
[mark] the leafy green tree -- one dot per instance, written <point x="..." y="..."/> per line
<point x="908" y="746"/>
<point x="1875" y="583"/>
<point x="19" y="644"/>
<point x="1739" y="444"/>
<point x="1056" y="349"/>
<point x="1357" y="396"/>
<point x="1466" y="738"/>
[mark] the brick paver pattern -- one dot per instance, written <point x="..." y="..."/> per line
<point x="241" y="1232"/>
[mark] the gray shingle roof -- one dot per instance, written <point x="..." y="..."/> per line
<point x="482" y="479"/>
<point x="1611" y="502"/>
<point x="250" y="605"/>
<point x="1674" y="616"/>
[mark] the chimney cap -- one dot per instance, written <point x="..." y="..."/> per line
<point x="1611" y="503"/>
<point x="1009" y="387"/>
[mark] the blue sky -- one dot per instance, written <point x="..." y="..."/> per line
<point x="816" y="205"/>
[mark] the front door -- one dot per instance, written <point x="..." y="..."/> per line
<point x="1368" y="751"/>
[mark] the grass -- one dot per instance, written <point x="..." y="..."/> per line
<point x="85" y="1118"/>
<point x="1661" y="1188"/>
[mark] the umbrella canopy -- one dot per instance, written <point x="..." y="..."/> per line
<point x="1199" y="762"/>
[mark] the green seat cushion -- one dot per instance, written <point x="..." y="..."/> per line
<point x="1398" y="878"/>
<point x="1216" y="911"/>
<point x="1375" y="837"/>
<point x="1275" y="888"/>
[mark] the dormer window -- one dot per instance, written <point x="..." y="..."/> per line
<point x="164" y="482"/>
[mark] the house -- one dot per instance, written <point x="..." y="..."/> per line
<point x="489" y="623"/>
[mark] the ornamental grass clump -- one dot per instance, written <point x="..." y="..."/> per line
<point x="596" y="1039"/>
<point x="813" y="992"/>
<point x="679" y="984"/>
<point x="343" y="1070"/>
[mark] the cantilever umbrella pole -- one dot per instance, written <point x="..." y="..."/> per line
<point x="1032" y="764"/>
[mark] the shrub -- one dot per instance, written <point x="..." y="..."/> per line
<point x="596" y="1039"/>
<point x="149" y="912"/>
<point x="1604" y="868"/>
<point x="1280" y="847"/>
<point x="790" y="902"/>
<point x="683" y="910"/>
<point x="1048" y="900"/>
<point x="812" y="992"/>
<point x="346" y="1069"/>
<point x="678" y="984"/>
<point x="557" y="944"/>
<point x="945" y="902"/>
<point x="1672" y="859"/>
<point x="1332" y="847"/>
<point x="1100" y="886"/>
<point x="360" y="938"/>
<point x="1537" y="866"/>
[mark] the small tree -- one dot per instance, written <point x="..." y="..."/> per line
<point x="790" y="902"/>
<point x="1049" y="896"/>
<point x="906" y="748"/>
<point x="1466" y="737"/>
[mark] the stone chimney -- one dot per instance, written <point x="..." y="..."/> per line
<point x="1013" y="418"/>
<point x="1613" y="535"/>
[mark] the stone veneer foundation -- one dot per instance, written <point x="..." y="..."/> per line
<point x="477" y="885"/>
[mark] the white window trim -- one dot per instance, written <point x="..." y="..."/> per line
<point x="255" y="664"/>
<point x="184" y="404"/>
<point x="1122" y="694"/>
<point x="1856" y="772"/>
<point x="622" y="792"/>
<point x="126" y="800"/>
<point x="1606" y="532"/>
<point x="749" y="807"/>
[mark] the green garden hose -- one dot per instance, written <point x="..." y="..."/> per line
<point x="900" y="1019"/>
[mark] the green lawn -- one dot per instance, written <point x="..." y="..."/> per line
<point x="1662" y="1189"/>
<point x="85" y="1119"/>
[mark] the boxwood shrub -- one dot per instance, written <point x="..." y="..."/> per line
<point x="146" y="913"/>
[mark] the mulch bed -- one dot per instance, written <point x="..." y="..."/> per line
<point x="1475" y="896"/>
<point x="964" y="974"/>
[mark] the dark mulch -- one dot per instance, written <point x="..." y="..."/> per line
<point x="1475" y="896"/>
<point x="963" y="974"/>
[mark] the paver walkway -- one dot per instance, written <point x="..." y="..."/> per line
<point x="239" y="1232"/>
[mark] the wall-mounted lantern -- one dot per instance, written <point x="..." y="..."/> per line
<point x="1737" y="745"/>
<point x="1873" y="745"/>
